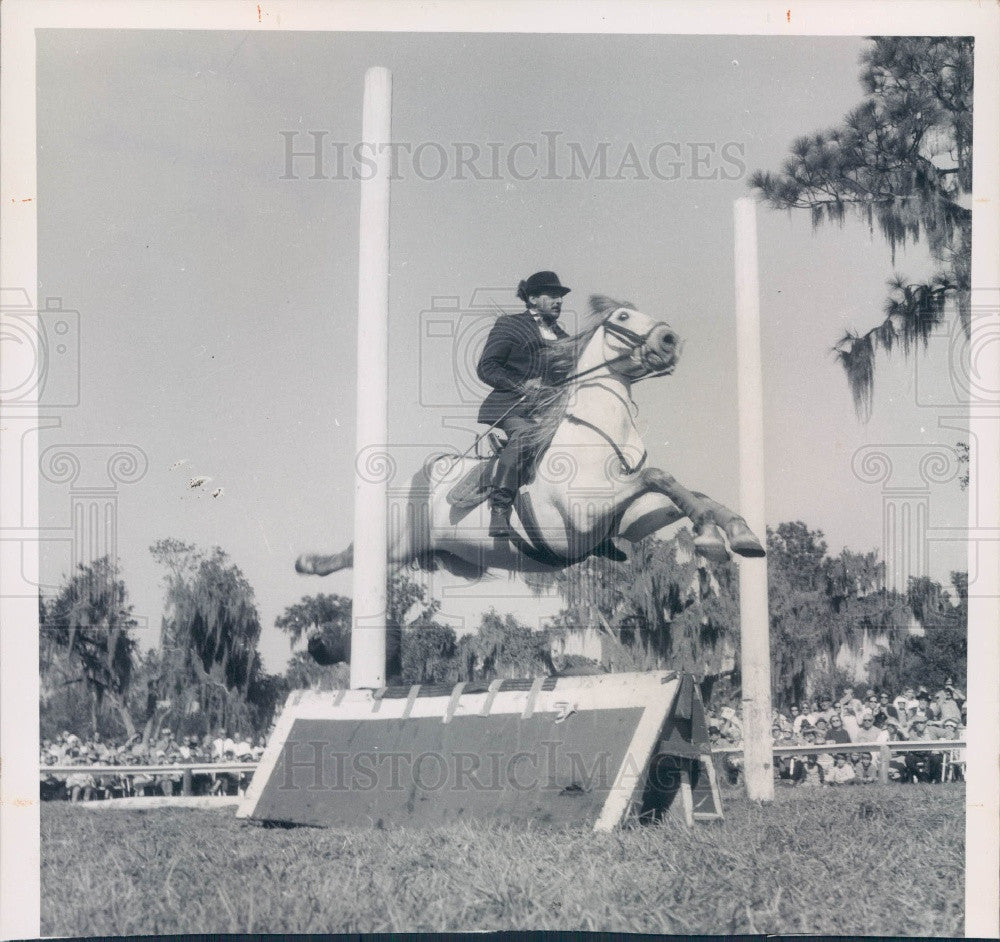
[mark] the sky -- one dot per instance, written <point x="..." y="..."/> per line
<point x="216" y="295"/>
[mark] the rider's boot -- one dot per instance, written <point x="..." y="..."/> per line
<point x="500" y="521"/>
<point x="505" y="483"/>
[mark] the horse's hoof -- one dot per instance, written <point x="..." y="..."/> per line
<point x="742" y="540"/>
<point x="710" y="543"/>
<point x="304" y="566"/>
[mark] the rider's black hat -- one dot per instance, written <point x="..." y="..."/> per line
<point x="541" y="281"/>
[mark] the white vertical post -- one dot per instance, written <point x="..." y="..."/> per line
<point x="755" y="653"/>
<point x="368" y="631"/>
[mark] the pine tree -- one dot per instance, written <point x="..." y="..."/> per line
<point x="901" y="160"/>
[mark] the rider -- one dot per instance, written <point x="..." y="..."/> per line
<point x="515" y="362"/>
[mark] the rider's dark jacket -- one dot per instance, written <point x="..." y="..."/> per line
<point x="515" y="352"/>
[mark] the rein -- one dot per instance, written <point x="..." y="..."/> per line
<point x="631" y="411"/>
<point x="630" y="336"/>
<point x="627" y="466"/>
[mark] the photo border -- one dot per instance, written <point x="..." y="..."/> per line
<point x="19" y="686"/>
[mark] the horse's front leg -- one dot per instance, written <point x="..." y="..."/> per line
<point x="709" y="540"/>
<point x="741" y="538"/>
<point x="630" y="517"/>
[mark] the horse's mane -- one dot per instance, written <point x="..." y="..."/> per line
<point x="547" y="405"/>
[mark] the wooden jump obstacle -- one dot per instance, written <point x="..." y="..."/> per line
<point x="554" y="751"/>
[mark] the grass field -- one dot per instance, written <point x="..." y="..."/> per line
<point x="875" y="861"/>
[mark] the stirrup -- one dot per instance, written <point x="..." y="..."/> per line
<point x="497" y="443"/>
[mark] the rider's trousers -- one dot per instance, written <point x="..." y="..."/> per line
<point x="510" y="464"/>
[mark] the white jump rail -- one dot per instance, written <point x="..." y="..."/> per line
<point x="193" y="767"/>
<point x="908" y="745"/>
<point x="883" y="749"/>
<point x="186" y="771"/>
<point x="904" y="745"/>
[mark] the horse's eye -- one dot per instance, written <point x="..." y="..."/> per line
<point x="623" y="316"/>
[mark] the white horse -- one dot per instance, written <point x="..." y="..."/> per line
<point x="591" y="482"/>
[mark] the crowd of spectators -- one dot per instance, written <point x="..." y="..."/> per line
<point x="166" y="750"/>
<point x="863" y="724"/>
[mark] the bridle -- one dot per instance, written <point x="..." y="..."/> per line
<point x="626" y="333"/>
<point x="636" y="342"/>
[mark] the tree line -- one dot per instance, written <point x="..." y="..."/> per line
<point x="664" y="607"/>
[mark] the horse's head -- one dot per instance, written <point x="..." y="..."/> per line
<point x="636" y="345"/>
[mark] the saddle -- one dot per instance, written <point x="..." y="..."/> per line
<point x="474" y="487"/>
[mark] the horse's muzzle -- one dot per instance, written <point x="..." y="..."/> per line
<point x="661" y="349"/>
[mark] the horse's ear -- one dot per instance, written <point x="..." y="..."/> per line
<point x="600" y="303"/>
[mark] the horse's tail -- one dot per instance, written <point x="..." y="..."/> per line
<point x="414" y="541"/>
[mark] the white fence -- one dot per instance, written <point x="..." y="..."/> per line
<point x="187" y="771"/>
<point x="883" y="750"/>
<point x="171" y="769"/>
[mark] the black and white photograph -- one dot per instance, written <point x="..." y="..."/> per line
<point x="500" y="467"/>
